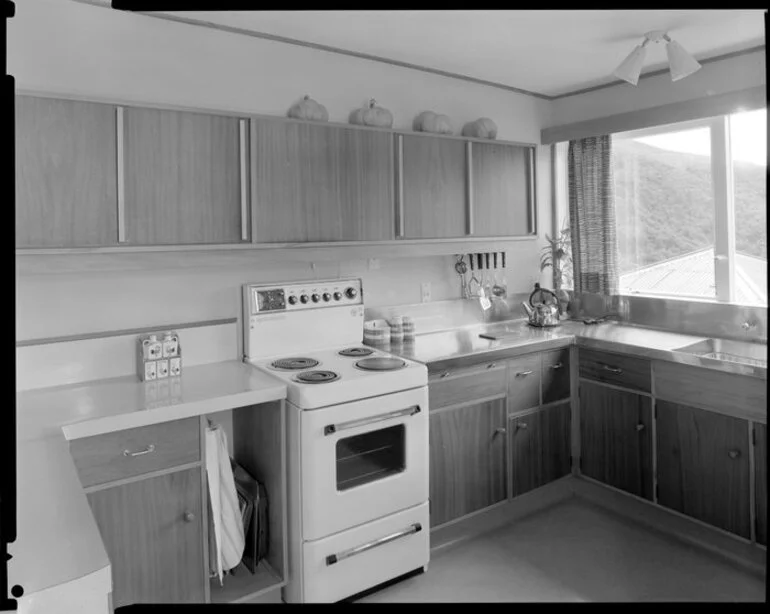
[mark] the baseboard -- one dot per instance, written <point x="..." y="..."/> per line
<point x="498" y="515"/>
<point x="747" y="556"/>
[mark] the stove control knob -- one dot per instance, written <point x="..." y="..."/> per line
<point x="292" y="299"/>
<point x="337" y="296"/>
<point x="303" y="298"/>
<point x="351" y="292"/>
<point x="327" y="297"/>
<point x="315" y="298"/>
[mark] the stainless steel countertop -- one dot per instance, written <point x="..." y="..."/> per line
<point x="455" y="347"/>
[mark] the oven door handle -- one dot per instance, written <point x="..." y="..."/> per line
<point x="330" y="429"/>
<point x="410" y="530"/>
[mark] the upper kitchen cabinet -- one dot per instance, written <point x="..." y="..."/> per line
<point x="432" y="187"/>
<point x="182" y="178"/>
<point x="502" y="189"/>
<point x="66" y="173"/>
<point x="316" y="182"/>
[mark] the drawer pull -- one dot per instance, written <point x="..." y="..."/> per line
<point x="521" y="425"/>
<point x="336" y="558"/>
<point x="523" y="373"/>
<point x="640" y="427"/>
<point x="147" y="450"/>
<point x="189" y="516"/>
<point x="612" y="369"/>
<point x="558" y="365"/>
<point x="491" y="365"/>
<point x="500" y="430"/>
<point x="734" y="453"/>
<point x="444" y="374"/>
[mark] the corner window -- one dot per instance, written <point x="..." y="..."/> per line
<point x="691" y="209"/>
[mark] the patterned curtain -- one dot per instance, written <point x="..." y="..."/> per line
<point x="592" y="216"/>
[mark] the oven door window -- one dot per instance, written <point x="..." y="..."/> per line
<point x="371" y="456"/>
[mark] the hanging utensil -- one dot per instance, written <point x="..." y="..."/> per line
<point x="504" y="284"/>
<point x="462" y="269"/>
<point x="471" y="293"/>
<point x="488" y="282"/>
<point x="497" y="289"/>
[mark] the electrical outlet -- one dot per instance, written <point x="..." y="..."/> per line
<point x="425" y="291"/>
<point x="374" y="264"/>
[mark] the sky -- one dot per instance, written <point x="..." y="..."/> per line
<point x="748" y="135"/>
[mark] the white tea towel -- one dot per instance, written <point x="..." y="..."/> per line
<point x="225" y="519"/>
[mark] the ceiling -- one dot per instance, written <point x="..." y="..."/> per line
<point x="546" y="52"/>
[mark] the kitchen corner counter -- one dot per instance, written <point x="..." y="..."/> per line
<point x="58" y="544"/>
<point x="448" y="348"/>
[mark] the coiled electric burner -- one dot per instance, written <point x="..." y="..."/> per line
<point x="317" y="377"/>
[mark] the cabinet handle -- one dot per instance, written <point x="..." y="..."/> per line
<point x="640" y="427"/>
<point x="734" y="453"/>
<point x="469" y="187"/>
<point x="521" y="425"/>
<point x="244" y="169"/>
<point x="189" y="516"/>
<point x="523" y="373"/>
<point x="147" y="450"/>
<point x="444" y="374"/>
<point x="491" y="365"/>
<point x="558" y="365"/>
<point x="501" y="430"/>
<point x="120" y="137"/>
<point x="612" y="369"/>
<point x="400" y="186"/>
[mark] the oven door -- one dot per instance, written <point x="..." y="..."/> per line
<point x="363" y="460"/>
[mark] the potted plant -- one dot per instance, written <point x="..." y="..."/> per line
<point x="558" y="255"/>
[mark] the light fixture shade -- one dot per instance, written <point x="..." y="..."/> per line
<point x="631" y="67"/>
<point x="681" y="63"/>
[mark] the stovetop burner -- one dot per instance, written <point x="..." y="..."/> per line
<point x="380" y="363"/>
<point x="294" y="363"/>
<point x="317" y="377"/>
<point x="356" y="352"/>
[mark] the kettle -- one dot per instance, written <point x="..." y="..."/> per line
<point x="543" y="308"/>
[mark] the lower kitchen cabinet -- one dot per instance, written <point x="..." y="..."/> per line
<point x="616" y="438"/>
<point x="153" y="533"/>
<point x="703" y="466"/>
<point x="467" y="459"/>
<point x="760" y="481"/>
<point x="540" y="447"/>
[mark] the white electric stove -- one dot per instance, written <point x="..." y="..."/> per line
<point x="357" y="439"/>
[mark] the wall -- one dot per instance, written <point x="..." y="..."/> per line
<point x="715" y="78"/>
<point x="75" y="49"/>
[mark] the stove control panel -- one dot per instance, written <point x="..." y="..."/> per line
<point x="314" y="294"/>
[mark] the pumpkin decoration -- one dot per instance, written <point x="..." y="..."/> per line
<point x="372" y="115"/>
<point x="428" y="121"/>
<point x="482" y="128"/>
<point x="309" y="109"/>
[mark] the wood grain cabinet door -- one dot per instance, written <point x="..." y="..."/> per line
<point x="467" y="460"/>
<point x="616" y="438"/>
<point x="703" y="466"/>
<point x="540" y="447"/>
<point x="66" y="173"/>
<point x="182" y="178"/>
<point x="555" y="375"/>
<point x="502" y="190"/>
<point x="153" y="535"/>
<point x="760" y="481"/>
<point x="434" y="187"/>
<point x="315" y="182"/>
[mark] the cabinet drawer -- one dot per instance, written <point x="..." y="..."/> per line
<point x="452" y="387"/>
<point x="741" y="396"/>
<point x="555" y="375"/>
<point x="524" y="382"/>
<point x="617" y="369"/>
<point x="124" y="454"/>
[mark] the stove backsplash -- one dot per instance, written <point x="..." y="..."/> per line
<point x="723" y="320"/>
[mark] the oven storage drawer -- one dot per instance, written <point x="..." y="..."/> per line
<point x="132" y="452"/>
<point x="342" y="565"/>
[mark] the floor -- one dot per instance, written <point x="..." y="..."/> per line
<point x="574" y="552"/>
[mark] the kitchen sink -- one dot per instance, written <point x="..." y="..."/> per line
<point x="743" y="352"/>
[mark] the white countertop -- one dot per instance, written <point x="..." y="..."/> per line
<point x="58" y="542"/>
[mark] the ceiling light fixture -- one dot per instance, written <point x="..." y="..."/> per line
<point x="681" y="63"/>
